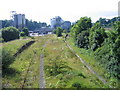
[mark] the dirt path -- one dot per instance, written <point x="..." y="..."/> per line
<point x="42" y="80"/>
<point x="99" y="77"/>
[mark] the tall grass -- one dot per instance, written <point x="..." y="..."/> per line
<point x="88" y="56"/>
<point x="24" y="72"/>
<point x="70" y="72"/>
<point x="14" y="45"/>
<point x="62" y="68"/>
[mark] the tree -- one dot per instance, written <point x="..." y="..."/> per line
<point x="22" y="34"/>
<point x="109" y="54"/>
<point x="10" y="33"/>
<point x="59" y="31"/>
<point x="65" y="31"/>
<point x="32" y="25"/>
<point x="97" y="36"/>
<point x="6" y="23"/>
<point x="26" y="32"/>
<point x="81" y="25"/>
<point x="83" y="39"/>
<point x="116" y="26"/>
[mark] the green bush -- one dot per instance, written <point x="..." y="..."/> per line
<point x="1" y="40"/>
<point x="59" y="31"/>
<point x="65" y="31"/>
<point x="104" y="44"/>
<point x="81" y="25"/>
<point x="22" y="34"/>
<point x="10" y="33"/>
<point x="108" y="55"/>
<point x="26" y="32"/>
<point x="7" y="58"/>
<point x="97" y="36"/>
<point x="32" y="37"/>
<point x="77" y="85"/>
<point x="83" y="39"/>
<point x="56" y="67"/>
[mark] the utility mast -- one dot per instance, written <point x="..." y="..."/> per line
<point x="12" y="13"/>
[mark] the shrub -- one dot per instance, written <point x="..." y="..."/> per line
<point x="76" y="84"/>
<point x="81" y="25"/>
<point x="59" y="31"/>
<point x="7" y="58"/>
<point x="22" y="34"/>
<point x="10" y="33"/>
<point x="26" y="32"/>
<point x="65" y="31"/>
<point x="83" y="39"/>
<point x="32" y="37"/>
<point x="1" y="40"/>
<point x="109" y="57"/>
<point x="97" y="36"/>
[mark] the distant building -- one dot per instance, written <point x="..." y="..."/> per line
<point x="56" y="22"/>
<point x="66" y="25"/>
<point x="0" y="24"/>
<point x="19" y="20"/>
<point x="43" y="30"/>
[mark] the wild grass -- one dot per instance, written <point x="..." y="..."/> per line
<point x="88" y="56"/>
<point x="70" y="72"/>
<point x="14" y="45"/>
<point x="62" y="68"/>
<point x="25" y="69"/>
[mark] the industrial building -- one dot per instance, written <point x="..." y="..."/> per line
<point x="58" y="22"/>
<point x="19" y="20"/>
<point x="66" y="25"/>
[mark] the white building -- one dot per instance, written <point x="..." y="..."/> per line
<point x="19" y="21"/>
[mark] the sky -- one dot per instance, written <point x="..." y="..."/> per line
<point x="68" y="10"/>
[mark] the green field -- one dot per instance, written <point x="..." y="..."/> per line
<point x="61" y="67"/>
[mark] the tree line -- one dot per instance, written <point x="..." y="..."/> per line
<point x="31" y="25"/>
<point x="107" y="23"/>
<point x="103" y="43"/>
<point x="12" y="33"/>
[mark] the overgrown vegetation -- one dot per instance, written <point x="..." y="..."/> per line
<point x="8" y="50"/>
<point x="24" y="32"/>
<point x="10" y="33"/>
<point x="58" y="31"/>
<point x="64" y="70"/>
<point x="7" y="58"/>
<point x="14" y="46"/>
<point x="104" y="44"/>
<point x="107" y="23"/>
<point x="24" y="71"/>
